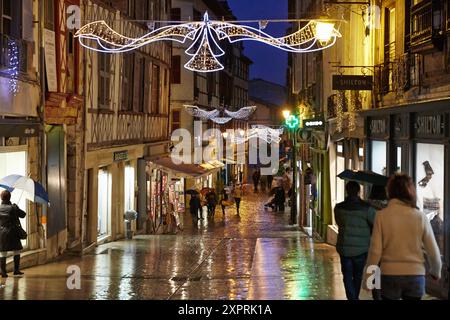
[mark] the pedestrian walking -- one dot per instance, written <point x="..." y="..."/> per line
<point x="211" y="202"/>
<point x="237" y="195"/>
<point x="269" y="182"/>
<point x="256" y="177"/>
<point x="263" y="183"/>
<point x="195" y="206"/>
<point x="377" y="199"/>
<point x="11" y="233"/>
<point x="401" y="237"/>
<point x="355" y="219"/>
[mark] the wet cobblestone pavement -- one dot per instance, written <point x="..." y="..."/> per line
<point x="256" y="255"/>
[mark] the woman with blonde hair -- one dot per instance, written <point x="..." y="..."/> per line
<point x="400" y="235"/>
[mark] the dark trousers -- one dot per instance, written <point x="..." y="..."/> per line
<point x="352" y="270"/>
<point x="238" y="203"/>
<point x="255" y="185"/>
<point x="211" y="210"/>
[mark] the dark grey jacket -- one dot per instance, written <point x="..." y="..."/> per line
<point x="9" y="220"/>
<point x="354" y="218"/>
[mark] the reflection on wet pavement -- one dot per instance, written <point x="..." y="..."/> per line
<point x="256" y="255"/>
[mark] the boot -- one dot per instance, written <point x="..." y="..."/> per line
<point x="3" y="267"/>
<point x="17" y="266"/>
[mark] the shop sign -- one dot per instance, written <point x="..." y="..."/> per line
<point x="351" y="82"/>
<point x="378" y="127"/>
<point x="315" y="123"/>
<point x="429" y="125"/>
<point x="19" y="130"/>
<point x="120" y="156"/>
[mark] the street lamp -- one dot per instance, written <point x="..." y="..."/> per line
<point x="324" y="31"/>
<point x="286" y="113"/>
<point x="292" y="122"/>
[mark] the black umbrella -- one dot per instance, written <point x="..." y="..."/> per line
<point x="364" y="177"/>
<point x="192" y="191"/>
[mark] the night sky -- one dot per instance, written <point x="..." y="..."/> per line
<point x="268" y="63"/>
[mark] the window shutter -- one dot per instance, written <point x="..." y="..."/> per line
<point x="136" y="83"/>
<point x="147" y="81"/>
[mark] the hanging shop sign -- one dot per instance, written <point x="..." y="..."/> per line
<point x="378" y="127"/>
<point x="120" y="156"/>
<point x="351" y="82"/>
<point x="22" y="130"/>
<point x="314" y="124"/>
<point x="429" y="126"/>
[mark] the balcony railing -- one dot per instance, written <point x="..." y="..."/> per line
<point x="7" y="44"/>
<point x="426" y="26"/>
<point x="397" y="76"/>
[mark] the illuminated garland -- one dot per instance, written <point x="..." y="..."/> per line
<point x="351" y="112"/>
<point x="340" y="111"/>
<point x="205" y="35"/>
<point x="14" y="68"/>
<point x="216" y="114"/>
<point x="262" y="132"/>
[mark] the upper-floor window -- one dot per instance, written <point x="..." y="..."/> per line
<point x="127" y="82"/>
<point x="11" y="18"/>
<point x="104" y="76"/>
<point x="176" y="70"/>
<point x="175" y="14"/>
<point x="176" y="119"/>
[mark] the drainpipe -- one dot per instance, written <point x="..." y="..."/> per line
<point x="43" y="147"/>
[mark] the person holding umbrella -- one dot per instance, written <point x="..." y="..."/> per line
<point x="11" y="233"/>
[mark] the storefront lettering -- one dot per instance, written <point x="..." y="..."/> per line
<point x="429" y="125"/>
<point x="378" y="126"/>
<point x="120" y="156"/>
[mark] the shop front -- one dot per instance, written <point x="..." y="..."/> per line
<point x="346" y="151"/>
<point x="112" y="190"/>
<point x="167" y="183"/>
<point x="416" y="140"/>
<point x="19" y="148"/>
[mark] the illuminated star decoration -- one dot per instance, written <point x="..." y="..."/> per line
<point x="14" y="68"/>
<point x="206" y="36"/>
<point x="216" y="114"/>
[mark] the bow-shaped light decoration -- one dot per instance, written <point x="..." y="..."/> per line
<point x="206" y="36"/>
<point x="215" y="115"/>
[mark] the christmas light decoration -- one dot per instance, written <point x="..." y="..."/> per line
<point x="200" y="113"/>
<point x="351" y="112"/>
<point x="242" y="113"/>
<point x="205" y="35"/>
<point x="220" y="115"/>
<point x="340" y="111"/>
<point x="13" y="67"/>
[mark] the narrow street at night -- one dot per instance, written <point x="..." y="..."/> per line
<point x="254" y="256"/>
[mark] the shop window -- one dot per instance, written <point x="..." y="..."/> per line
<point x="15" y="162"/>
<point x="340" y="166"/>
<point x="129" y="187"/>
<point x="399" y="160"/>
<point x="104" y="203"/>
<point x="378" y="161"/>
<point x="430" y="186"/>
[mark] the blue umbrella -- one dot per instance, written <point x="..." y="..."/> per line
<point x="32" y="190"/>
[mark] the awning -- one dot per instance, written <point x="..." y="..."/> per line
<point x="184" y="170"/>
<point x="212" y="165"/>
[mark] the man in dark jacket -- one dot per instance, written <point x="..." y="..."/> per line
<point x="211" y="202"/>
<point x="9" y="233"/>
<point x="354" y="218"/>
<point x="194" y="206"/>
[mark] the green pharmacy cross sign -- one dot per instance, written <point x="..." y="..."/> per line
<point x="292" y="122"/>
